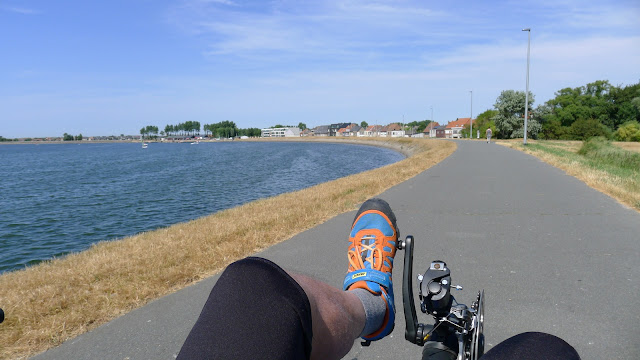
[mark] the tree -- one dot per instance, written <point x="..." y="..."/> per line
<point x="482" y="123"/>
<point x="67" y="137"/>
<point x="302" y="126"/>
<point x="509" y="122"/>
<point x="223" y="129"/>
<point x="79" y="137"/>
<point x="629" y="131"/>
<point x="584" y="129"/>
<point x="364" y="124"/>
<point x="420" y="125"/>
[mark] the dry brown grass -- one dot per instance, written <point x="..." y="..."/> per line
<point x="625" y="190"/>
<point x="631" y="146"/>
<point x="58" y="300"/>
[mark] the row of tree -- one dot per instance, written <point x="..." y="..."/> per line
<point x="596" y="109"/>
<point x="223" y="129"/>
<point x="149" y="131"/>
<point x="69" y="137"/>
<point x="189" y="128"/>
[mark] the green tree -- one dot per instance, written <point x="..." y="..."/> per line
<point x="67" y="137"/>
<point x="629" y="131"/>
<point x="592" y="101"/>
<point x="420" y="125"/>
<point x="509" y="121"/>
<point x="482" y="123"/>
<point x="364" y="124"/>
<point x="302" y="126"/>
<point x="584" y="129"/>
<point x="79" y="137"/>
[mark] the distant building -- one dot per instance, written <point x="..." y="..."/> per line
<point x="333" y="128"/>
<point x="371" y="130"/>
<point x="430" y="130"/>
<point x="395" y="130"/>
<point x="322" y="130"/>
<point x="281" y="132"/>
<point x="454" y="128"/>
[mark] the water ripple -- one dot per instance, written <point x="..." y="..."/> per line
<point x="59" y="199"/>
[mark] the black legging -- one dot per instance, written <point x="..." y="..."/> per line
<point x="257" y="311"/>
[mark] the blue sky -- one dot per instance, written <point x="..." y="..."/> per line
<point x="112" y="67"/>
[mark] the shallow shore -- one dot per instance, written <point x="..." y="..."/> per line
<point x="52" y="302"/>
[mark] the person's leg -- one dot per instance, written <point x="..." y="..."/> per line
<point x="532" y="346"/>
<point x="255" y="311"/>
<point x="338" y="318"/>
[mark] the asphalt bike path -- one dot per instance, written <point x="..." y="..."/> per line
<point x="552" y="255"/>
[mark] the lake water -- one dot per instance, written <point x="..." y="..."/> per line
<point x="61" y="198"/>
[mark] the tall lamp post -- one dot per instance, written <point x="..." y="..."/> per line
<point x="526" y="96"/>
<point x="471" y="118"/>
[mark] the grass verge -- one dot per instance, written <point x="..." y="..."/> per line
<point x="60" y="299"/>
<point x="604" y="166"/>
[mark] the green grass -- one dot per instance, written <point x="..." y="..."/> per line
<point x="602" y="153"/>
<point x="599" y="163"/>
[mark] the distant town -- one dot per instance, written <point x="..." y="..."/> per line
<point x="228" y="130"/>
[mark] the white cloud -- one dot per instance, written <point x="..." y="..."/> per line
<point x="20" y="10"/>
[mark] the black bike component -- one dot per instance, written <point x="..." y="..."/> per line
<point x="1" y="315"/>
<point x="457" y="332"/>
<point x="477" y="340"/>
<point x="435" y="289"/>
<point x="410" y="317"/>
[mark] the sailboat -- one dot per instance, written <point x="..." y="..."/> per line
<point x="144" y="144"/>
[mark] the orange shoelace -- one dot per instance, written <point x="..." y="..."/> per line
<point x="357" y="258"/>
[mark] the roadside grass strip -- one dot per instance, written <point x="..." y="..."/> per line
<point x="606" y="167"/>
<point x="54" y="301"/>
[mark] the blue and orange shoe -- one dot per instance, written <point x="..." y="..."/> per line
<point x="374" y="238"/>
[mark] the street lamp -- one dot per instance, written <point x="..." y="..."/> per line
<point x="471" y="118"/>
<point x="526" y="96"/>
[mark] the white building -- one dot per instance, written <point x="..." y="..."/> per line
<point x="281" y="132"/>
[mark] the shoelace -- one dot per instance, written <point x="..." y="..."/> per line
<point x="357" y="258"/>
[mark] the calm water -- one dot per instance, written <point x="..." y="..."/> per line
<point x="57" y="199"/>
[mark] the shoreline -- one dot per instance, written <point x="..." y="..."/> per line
<point x="407" y="151"/>
<point x="52" y="302"/>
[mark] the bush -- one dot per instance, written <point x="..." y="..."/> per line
<point x="584" y="129"/>
<point x="629" y="131"/>
<point x="600" y="149"/>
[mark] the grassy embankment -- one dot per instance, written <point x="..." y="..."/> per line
<point x="58" y="300"/>
<point x="612" y="168"/>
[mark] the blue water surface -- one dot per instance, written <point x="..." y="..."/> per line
<point x="61" y="198"/>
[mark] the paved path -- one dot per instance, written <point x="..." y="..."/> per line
<point x="552" y="255"/>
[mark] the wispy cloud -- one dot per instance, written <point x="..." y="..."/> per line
<point x="19" y="10"/>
